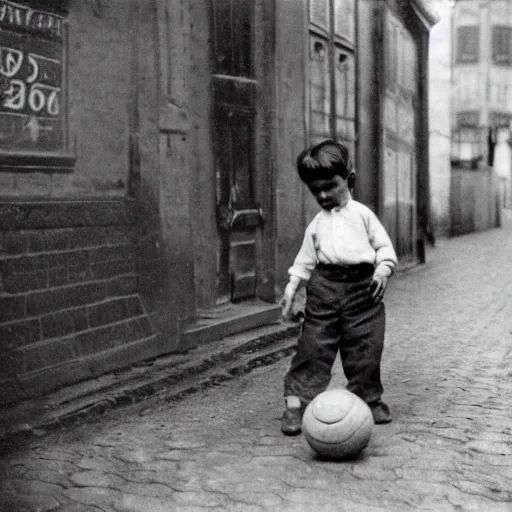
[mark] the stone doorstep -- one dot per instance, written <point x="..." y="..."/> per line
<point x="229" y="319"/>
<point x="170" y="377"/>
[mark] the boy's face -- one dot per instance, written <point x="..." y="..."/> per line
<point x="330" y="193"/>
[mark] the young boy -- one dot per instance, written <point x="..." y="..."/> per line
<point x="346" y="259"/>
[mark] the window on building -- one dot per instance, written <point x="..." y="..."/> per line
<point x="332" y="71"/>
<point x="468" y="118"/>
<point x="502" y="45"/>
<point x="468" y="146"/>
<point x="467" y="44"/>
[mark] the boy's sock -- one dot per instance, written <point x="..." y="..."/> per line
<point x="292" y="402"/>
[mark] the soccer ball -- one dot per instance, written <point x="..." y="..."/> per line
<point x="337" y="424"/>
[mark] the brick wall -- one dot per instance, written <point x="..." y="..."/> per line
<point x="69" y="302"/>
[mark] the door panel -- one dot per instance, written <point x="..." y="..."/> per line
<point x="223" y="37"/>
<point x="234" y="98"/>
<point x="398" y="140"/>
<point x="232" y="26"/>
<point x="237" y="216"/>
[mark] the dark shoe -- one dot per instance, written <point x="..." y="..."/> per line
<point x="381" y="413"/>
<point x="291" y="421"/>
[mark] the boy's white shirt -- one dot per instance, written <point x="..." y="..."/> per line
<point x="348" y="235"/>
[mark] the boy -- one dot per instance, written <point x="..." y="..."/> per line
<point x="346" y="259"/>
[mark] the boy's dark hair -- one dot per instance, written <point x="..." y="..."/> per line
<point x="324" y="161"/>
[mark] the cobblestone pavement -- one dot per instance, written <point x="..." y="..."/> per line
<point x="448" y="378"/>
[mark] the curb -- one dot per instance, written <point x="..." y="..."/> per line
<point x="169" y="378"/>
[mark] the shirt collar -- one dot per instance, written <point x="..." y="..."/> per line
<point x="337" y="209"/>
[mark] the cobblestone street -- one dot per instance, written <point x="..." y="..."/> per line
<point x="447" y="374"/>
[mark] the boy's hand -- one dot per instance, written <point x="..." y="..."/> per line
<point x="378" y="287"/>
<point x="287" y="300"/>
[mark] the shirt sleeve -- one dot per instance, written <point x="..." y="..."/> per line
<point x="305" y="261"/>
<point x="385" y="256"/>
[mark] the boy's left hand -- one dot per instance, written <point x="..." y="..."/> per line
<point x="378" y="287"/>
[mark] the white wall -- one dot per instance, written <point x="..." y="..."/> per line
<point x="440" y="77"/>
<point x="503" y="166"/>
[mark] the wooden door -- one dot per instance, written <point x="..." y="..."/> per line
<point x="239" y="219"/>
<point x="399" y="97"/>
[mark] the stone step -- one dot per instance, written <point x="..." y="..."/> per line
<point x="230" y="319"/>
<point x="167" y="377"/>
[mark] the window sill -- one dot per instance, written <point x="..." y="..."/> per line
<point x="466" y="61"/>
<point x="33" y="161"/>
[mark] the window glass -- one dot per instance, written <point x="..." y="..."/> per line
<point x="332" y="71"/>
<point x="319" y="13"/>
<point x="345" y="83"/>
<point x="344" y="19"/>
<point x="32" y="79"/>
<point x="319" y="88"/>
<point x="502" y="45"/>
<point x="467" y="44"/>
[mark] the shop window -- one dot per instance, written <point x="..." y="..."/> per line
<point x="467" y="44"/>
<point x="33" y="87"/>
<point x="502" y="45"/>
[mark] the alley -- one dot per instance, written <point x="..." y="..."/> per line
<point x="447" y="377"/>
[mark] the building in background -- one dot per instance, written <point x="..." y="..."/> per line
<point x="481" y="108"/>
<point x="149" y="196"/>
<point x="392" y="123"/>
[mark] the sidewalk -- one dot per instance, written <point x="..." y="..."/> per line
<point x="176" y="376"/>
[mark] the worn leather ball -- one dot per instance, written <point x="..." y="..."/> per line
<point x="337" y="424"/>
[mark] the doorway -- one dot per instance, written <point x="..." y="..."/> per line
<point x="239" y="217"/>
<point x="399" y="100"/>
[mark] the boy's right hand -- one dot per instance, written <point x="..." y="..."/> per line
<point x="378" y="287"/>
<point x="288" y="295"/>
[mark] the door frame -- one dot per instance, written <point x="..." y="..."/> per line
<point x="385" y="10"/>
<point x="263" y="161"/>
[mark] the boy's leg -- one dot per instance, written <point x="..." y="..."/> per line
<point x="361" y="347"/>
<point x="310" y="369"/>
